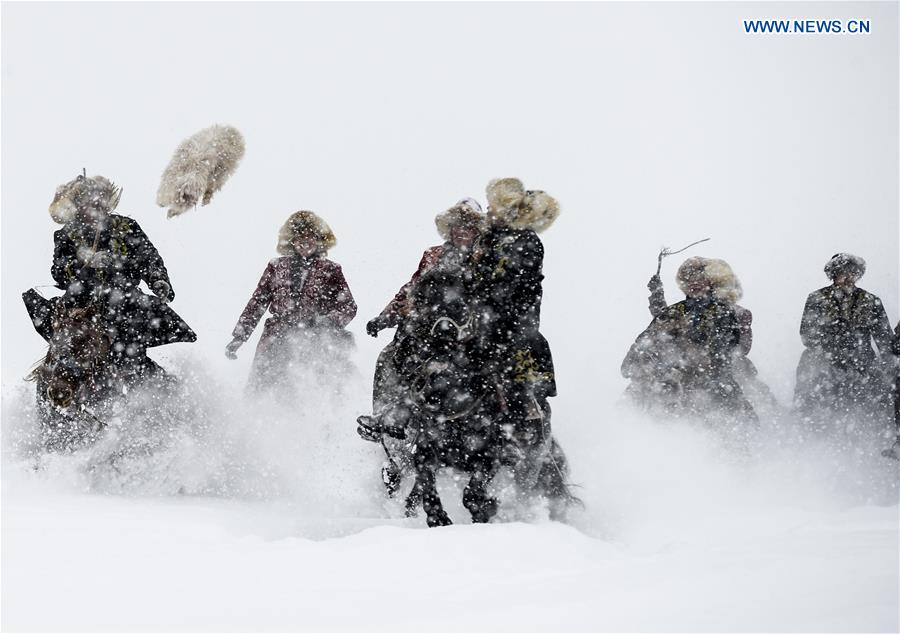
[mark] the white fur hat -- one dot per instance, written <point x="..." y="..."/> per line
<point x="300" y="223"/>
<point x="512" y="205"/>
<point x="83" y="193"/>
<point x="716" y="273"/>
<point x="725" y="284"/>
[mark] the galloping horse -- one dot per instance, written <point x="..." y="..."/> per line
<point x="82" y="375"/>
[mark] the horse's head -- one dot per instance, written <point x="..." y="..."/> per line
<point x="78" y="354"/>
<point x="444" y="306"/>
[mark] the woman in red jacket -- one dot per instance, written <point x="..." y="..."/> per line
<point x="310" y="306"/>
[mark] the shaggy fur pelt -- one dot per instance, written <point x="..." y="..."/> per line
<point x="199" y="168"/>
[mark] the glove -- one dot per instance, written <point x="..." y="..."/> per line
<point x="232" y="348"/>
<point x="655" y="284"/>
<point x="374" y="326"/>
<point x="162" y="290"/>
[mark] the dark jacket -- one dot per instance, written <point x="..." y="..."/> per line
<point x="128" y="258"/>
<point x="509" y="289"/>
<point x="658" y="306"/>
<point x="839" y="370"/>
<point x="510" y="280"/>
<point x="843" y="326"/>
<point x="131" y="256"/>
<point x="684" y="359"/>
<point x="299" y="293"/>
<point x="697" y="337"/>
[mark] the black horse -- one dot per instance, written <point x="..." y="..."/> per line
<point x="448" y="405"/>
<point x="82" y="377"/>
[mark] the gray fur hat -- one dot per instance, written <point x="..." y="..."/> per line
<point x="84" y="193"/>
<point x="845" y="264"/>
<point x="465" y="212"/>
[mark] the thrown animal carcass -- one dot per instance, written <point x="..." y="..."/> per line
<point x="199" y="168"/>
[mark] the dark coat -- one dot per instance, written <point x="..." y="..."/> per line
<point x="658" y="306"/>
<point x="135" y="319"/>
<point x="310" y="304"/>
<point x="299" y="293"/>
<point x="839" y="368"/>
<point x="509" y="289"/>
<point x="843" y="326"/>
<point x="895" y="348"/>
<point x="510" y="281"/>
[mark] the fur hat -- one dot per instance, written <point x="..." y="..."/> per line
<point x="716" y="273"/>
<point x="690" y="271"/>
<point x="845" y="264"/>
<point x="513" y="206"/>
<point x="466" y="212"/>
<point x="725" y="284"/>
<point x="304" y="223"/>
<point x="84" y="193"/>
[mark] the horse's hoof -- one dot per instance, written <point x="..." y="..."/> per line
<point x="483" y="512"/>
<point x="438" y="519"/>
<point x="392" y="479"/>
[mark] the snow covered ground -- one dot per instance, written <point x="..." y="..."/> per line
<point x="652" y="124"/>
<point x="678" y="534"/>
<point x="85" y="562"/>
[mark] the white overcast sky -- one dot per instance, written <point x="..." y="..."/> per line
<point x="653" y="124"/>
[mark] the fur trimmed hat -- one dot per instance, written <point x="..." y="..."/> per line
<point x="467" y="212"/>
<point x="303" y="223"/>
<point x="84" y="193"/>
<point x="691" y="270"/>
<point x="725" y="284"/>
<point x="513" y="205"/>
<point x="716" y="273"/>
<point x="845" y="264"/>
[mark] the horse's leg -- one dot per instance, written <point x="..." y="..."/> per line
<point x="552" y="482"/>
<point x="475" y="497"/>
<point x="431" y="501"/>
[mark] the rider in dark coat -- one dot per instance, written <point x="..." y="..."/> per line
<point x="839" y="370"/>
<point x="684" y="361"/>
<point x="101" y="257"/>
<point x="460" y="226"/>
<point x="310" y="303"/>
<point x="726" y="287"/>
<point x="510" y="291"/>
